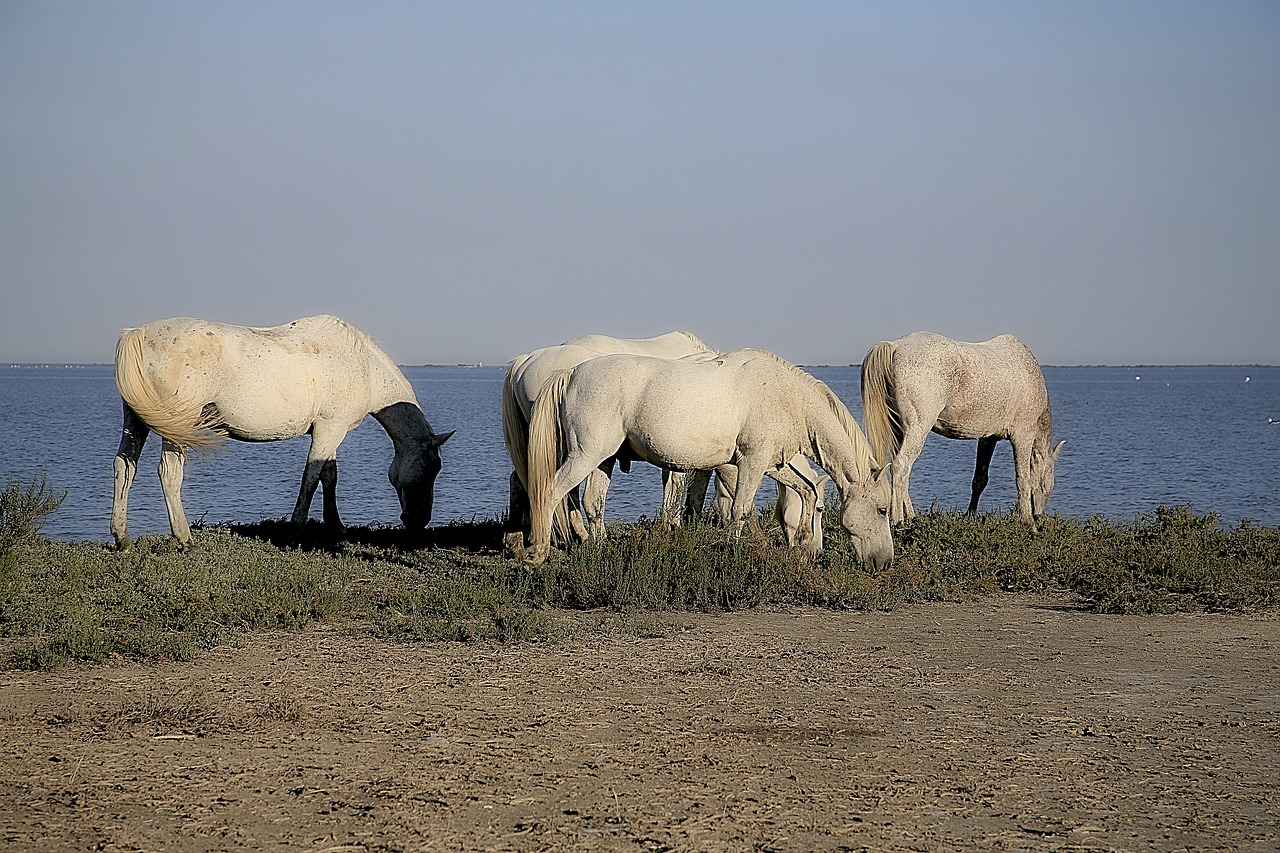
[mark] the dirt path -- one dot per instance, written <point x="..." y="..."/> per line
<point x="1018" y="725"/>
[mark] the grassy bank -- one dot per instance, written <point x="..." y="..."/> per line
<point x="63" y="601"/>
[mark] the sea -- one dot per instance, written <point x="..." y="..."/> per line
<point x="1136" y="438"/>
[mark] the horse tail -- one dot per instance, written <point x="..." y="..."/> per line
<point x="879" y="406"/>
<point x="515" y="428"/>
<point x="544" y="455"/>
<point x="180" y="419"/>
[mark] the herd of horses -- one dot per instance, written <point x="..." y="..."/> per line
<point x="573" y="412"/>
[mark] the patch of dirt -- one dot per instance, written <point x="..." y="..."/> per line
<point x="1022" y="724"/>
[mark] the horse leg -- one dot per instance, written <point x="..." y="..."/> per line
<point x="986" y="446"/>
<point x="517" y="517"/>
<point x="674" y="484"/>
<point x="329" y="479"/>
<point x="310" y="479"/>
<point x="594" y="493"/>
<point x="695" y="496"/>
<point x="321" y="467"/>
<point x="132" y="436"/>
<point x="900" y="505"/>
<point x="726" y="484"/>
<point x="1022" y="477"/>
<point x="750" y="475"/>
<point x="172" y="464"/>
<point x="575" y="514"/>
<point x="791" y="486"/>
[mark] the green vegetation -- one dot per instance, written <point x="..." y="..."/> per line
<point x="81" y="601"/>
<point x="23" y="510"/>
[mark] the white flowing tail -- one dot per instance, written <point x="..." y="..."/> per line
<point x="180" y="418"/>
<point x="544" y="457"/>
<point x="879" y="408"/>
<point x="515" y="429"/>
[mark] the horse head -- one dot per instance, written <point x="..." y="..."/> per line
<point x="413" y="474"/>
<point x="864" y="514"/>
<point x="1042" y="462"/>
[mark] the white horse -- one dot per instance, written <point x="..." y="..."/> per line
<point x="751" y="409"/>
<point x="988" y="391"/>
<point x="524" y="379"/>
<point x="197" y="383"/>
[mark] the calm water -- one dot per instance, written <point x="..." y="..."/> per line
<point x="1194" y="436"/>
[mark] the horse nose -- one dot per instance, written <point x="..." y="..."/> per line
<point x="877" y="562"/>
<point x="880" y="563"/>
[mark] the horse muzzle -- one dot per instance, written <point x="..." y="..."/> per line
<point x="415" y="520"/>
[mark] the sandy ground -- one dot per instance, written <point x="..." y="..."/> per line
<point x="1022" y="724"/>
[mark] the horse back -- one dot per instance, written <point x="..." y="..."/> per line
<point x="675" y="413"/>
<point x="992" y="387"/>
<point x="259" y="384"/>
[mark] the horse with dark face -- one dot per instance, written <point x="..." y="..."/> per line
<point x="198" y="383"/>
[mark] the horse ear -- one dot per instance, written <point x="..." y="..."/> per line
<point x="879" y="473"/>
<point x="441" y="439"/>
<point x="1058" y="449"/>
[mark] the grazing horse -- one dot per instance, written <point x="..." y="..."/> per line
<point x="750" y="409"/>
<point x="197" y="383"/>
<point x="988" y="391"/>
<point x="525" y="377"/>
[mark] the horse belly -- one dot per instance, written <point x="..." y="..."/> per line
<point x="265" y="412"/>
<point x="699" y="440"/>
<point x="682" y="450"/>
<point x="970" y="423"/>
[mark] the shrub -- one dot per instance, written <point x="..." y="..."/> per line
<point x="23" y="510"/>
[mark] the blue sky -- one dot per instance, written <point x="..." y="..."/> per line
<point x="467" y="181"/>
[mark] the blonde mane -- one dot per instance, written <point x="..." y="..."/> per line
<point x="863" y="453"/>
<point x="695" y="340"/>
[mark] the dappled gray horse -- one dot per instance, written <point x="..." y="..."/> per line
<point x="985" y="391"/>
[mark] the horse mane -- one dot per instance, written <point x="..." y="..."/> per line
<point x="355" y="338"/>
<point x="342" y="337"/>
<point x="695" y="340"/>
<point x="182" y="419"/>
<point x="332" y="330"/>
<point x="862" y="451"/>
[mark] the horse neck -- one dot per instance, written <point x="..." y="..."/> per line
<point x="387" y="384"/>
<point x="838" y="444"/>
<point x="405" y="423"/>
<point x="1044" y="431"/>
<point x="393" y="403"/>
